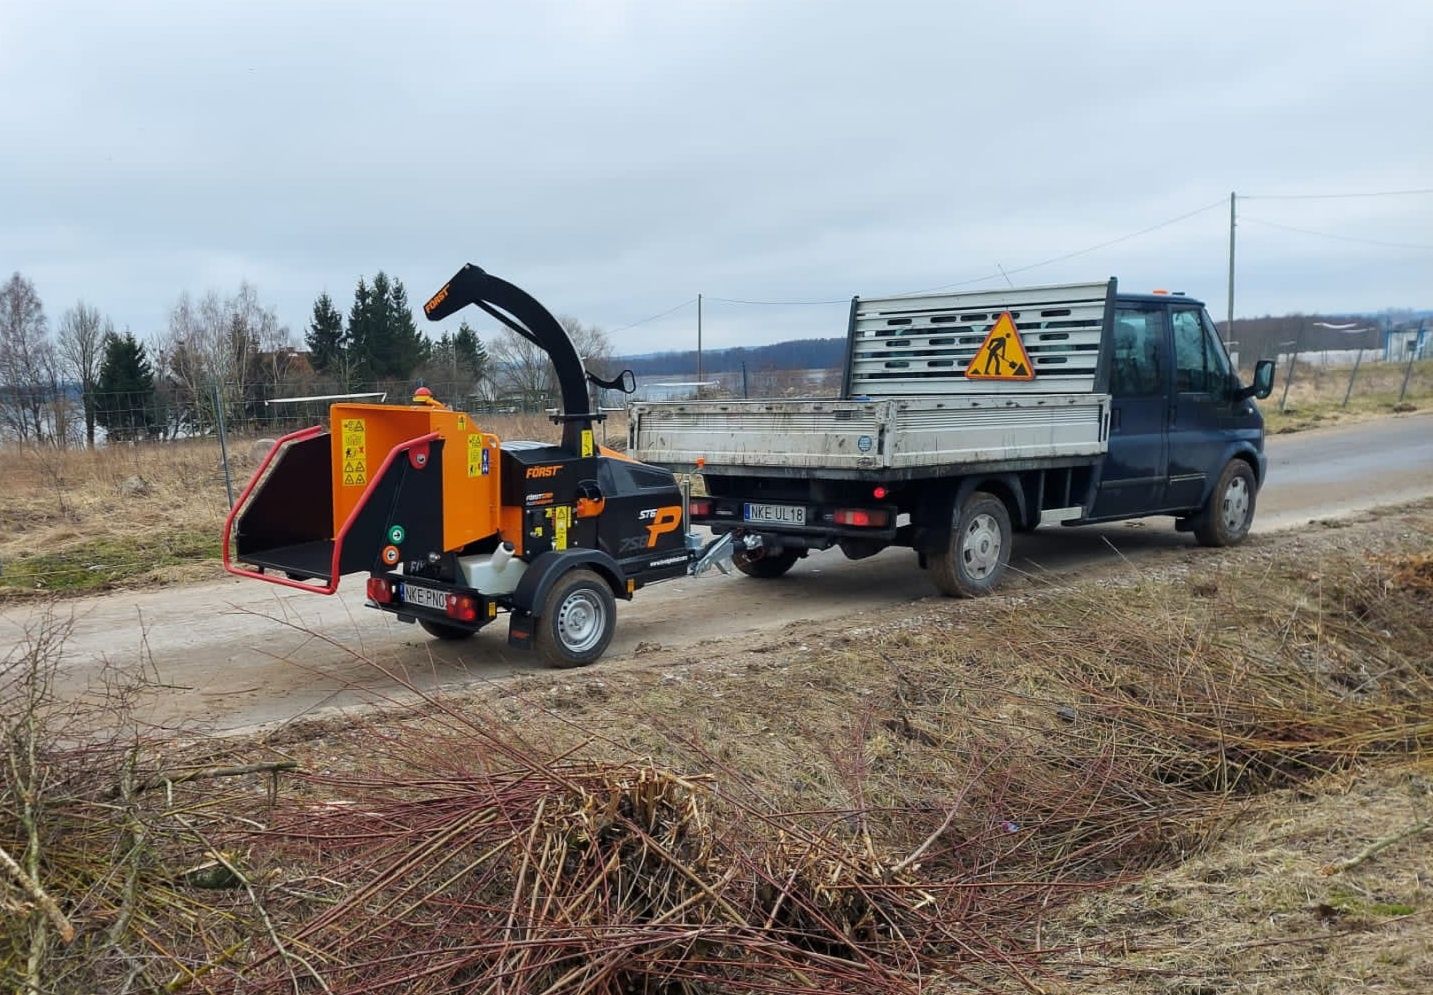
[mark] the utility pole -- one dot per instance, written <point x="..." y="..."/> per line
<point x="1229" y="326"/>
<point x="699" y="340"/>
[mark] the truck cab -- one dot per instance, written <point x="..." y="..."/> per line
<point x="1178" y="412"/>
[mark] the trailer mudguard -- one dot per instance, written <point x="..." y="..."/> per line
<point x="545" y="569"/>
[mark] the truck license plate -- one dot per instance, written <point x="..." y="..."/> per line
<point x="423" y="597"/>
<point x="775" y="514"/>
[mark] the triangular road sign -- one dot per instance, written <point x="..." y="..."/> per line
<point x="1001" y="356"/>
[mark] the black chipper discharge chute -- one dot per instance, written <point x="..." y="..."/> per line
<point x="525" y="315"/>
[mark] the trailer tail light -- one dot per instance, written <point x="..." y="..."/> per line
<point x="872" y="518"/>
<point x="880" y="493"/>
<point x="380" y="590"/>
<point x="462" y="607"/>
<point x="701" y="507"/>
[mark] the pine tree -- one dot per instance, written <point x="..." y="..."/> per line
<point x="469" y="354"/>
<point x="326" y="339"/>
<point x="408" y="347"/>
<point x="361" y="334"/>
<point x="124" y="402"/>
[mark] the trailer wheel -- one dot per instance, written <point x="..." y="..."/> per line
<point x="445" y="632"/>
<point x="577" y="620"/>
<point x="980" y="539"/>
<point x="767" y="567"/>
<point x="1226" y="516"/>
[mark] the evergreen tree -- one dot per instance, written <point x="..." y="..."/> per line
<point x="469" y="354"/>
<point x="326" y="339"/>
<point x="384" y="341"/>
<point x="409" y="348"/>
<point x="124" y="402"/>
<point x="361" y="334"/>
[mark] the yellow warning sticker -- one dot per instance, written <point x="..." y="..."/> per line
<point x="1002" y="355"/>
<point x="561" y="519"/>
<point x="353" y="437"/>
<point x="475" y="455"/>
<point x="587" y="442"/>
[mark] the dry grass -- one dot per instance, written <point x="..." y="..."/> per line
<point x="73" y="521"/>
<point x="1149" y="786"/>
<point x="1316" y="397"/>
<point x="933" y="797"/>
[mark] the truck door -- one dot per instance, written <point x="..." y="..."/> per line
<point x="1201" y="408"/>
<point x="1136" y="470"/>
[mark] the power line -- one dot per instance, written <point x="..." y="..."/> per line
<point x="1078" y="252"/>
<point x="1341" y="238"/>
<point x="654" y="317"/>
<point x="733" y="300"/>
<point x="1333" y="196"/>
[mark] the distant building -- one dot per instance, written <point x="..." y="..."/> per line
<point x="1405" y="338"/>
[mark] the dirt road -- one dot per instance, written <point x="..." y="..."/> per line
<point x="235" y="653"/>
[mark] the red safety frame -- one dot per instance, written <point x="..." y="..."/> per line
<point x="300" y="436"/>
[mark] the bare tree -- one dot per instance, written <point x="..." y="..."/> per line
<point x="28" y="372"/>
<point x="231" y="346"/>
<point x="81" y="350"/>
<point x="524" y="373"/>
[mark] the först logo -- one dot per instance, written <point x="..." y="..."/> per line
<point x="660" y="521"/>
<point x="542" y="471"/>
<point x="436" y="299"/>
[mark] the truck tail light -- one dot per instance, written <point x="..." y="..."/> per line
<point x="701" y="507"/>
<point x="879" y="493"/>
<point x="380" y="590"/>
<point x="872" y="518"/>
<point x="462" y="607"/>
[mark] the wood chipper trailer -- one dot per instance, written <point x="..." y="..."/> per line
<point x="455" y="527"/>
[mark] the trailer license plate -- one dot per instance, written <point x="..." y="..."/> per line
<point x="423" y="597"/>
<point x="775" y="514"/>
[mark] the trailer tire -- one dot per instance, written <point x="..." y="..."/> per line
<point x="767" y="567"/>
<point x="974" y="560"/>
<point x="578" y="618"/>
<point x="445" y="632"/>
<point x="1227" y="515"/>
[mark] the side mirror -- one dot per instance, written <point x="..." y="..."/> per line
<point x="1263" y="384"/>
<point x="629" y="381"/>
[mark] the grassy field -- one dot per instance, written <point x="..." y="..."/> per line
<point x="1316" y="396"/>
<point x="1211" y="777"/>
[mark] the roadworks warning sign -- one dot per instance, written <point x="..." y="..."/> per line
<point x="354" y="440"/>
<point x="1001" y="356"/>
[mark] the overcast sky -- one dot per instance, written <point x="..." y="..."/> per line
<point x="616" y="158"/>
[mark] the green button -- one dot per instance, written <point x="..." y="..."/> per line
<point x="396" y="535"/>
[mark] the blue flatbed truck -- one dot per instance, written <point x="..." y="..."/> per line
<point x="1103" y="406"/>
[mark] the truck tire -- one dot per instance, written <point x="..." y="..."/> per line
<point x="1226" y="516"/>
<point x="767" y="567"/>
<point x="577" y="620"/>
<point x="447" y="633"/>
<point x="980" y="539"/>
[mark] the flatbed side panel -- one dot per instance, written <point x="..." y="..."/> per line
<point x="761" y="433"/>
<point x="997" y="429"/>
<point x="921" y="344"/>
<point x="895" y="434"/>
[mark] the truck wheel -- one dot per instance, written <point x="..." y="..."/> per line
<point x="447" y="633"/>
<point x="1226" y="516"/>
<point x="767" y="567"/>
<point x="979" y="549"/>
<point x="577" y="620"/>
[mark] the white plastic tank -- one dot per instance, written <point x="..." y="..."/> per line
<point x="493" y="573"/>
